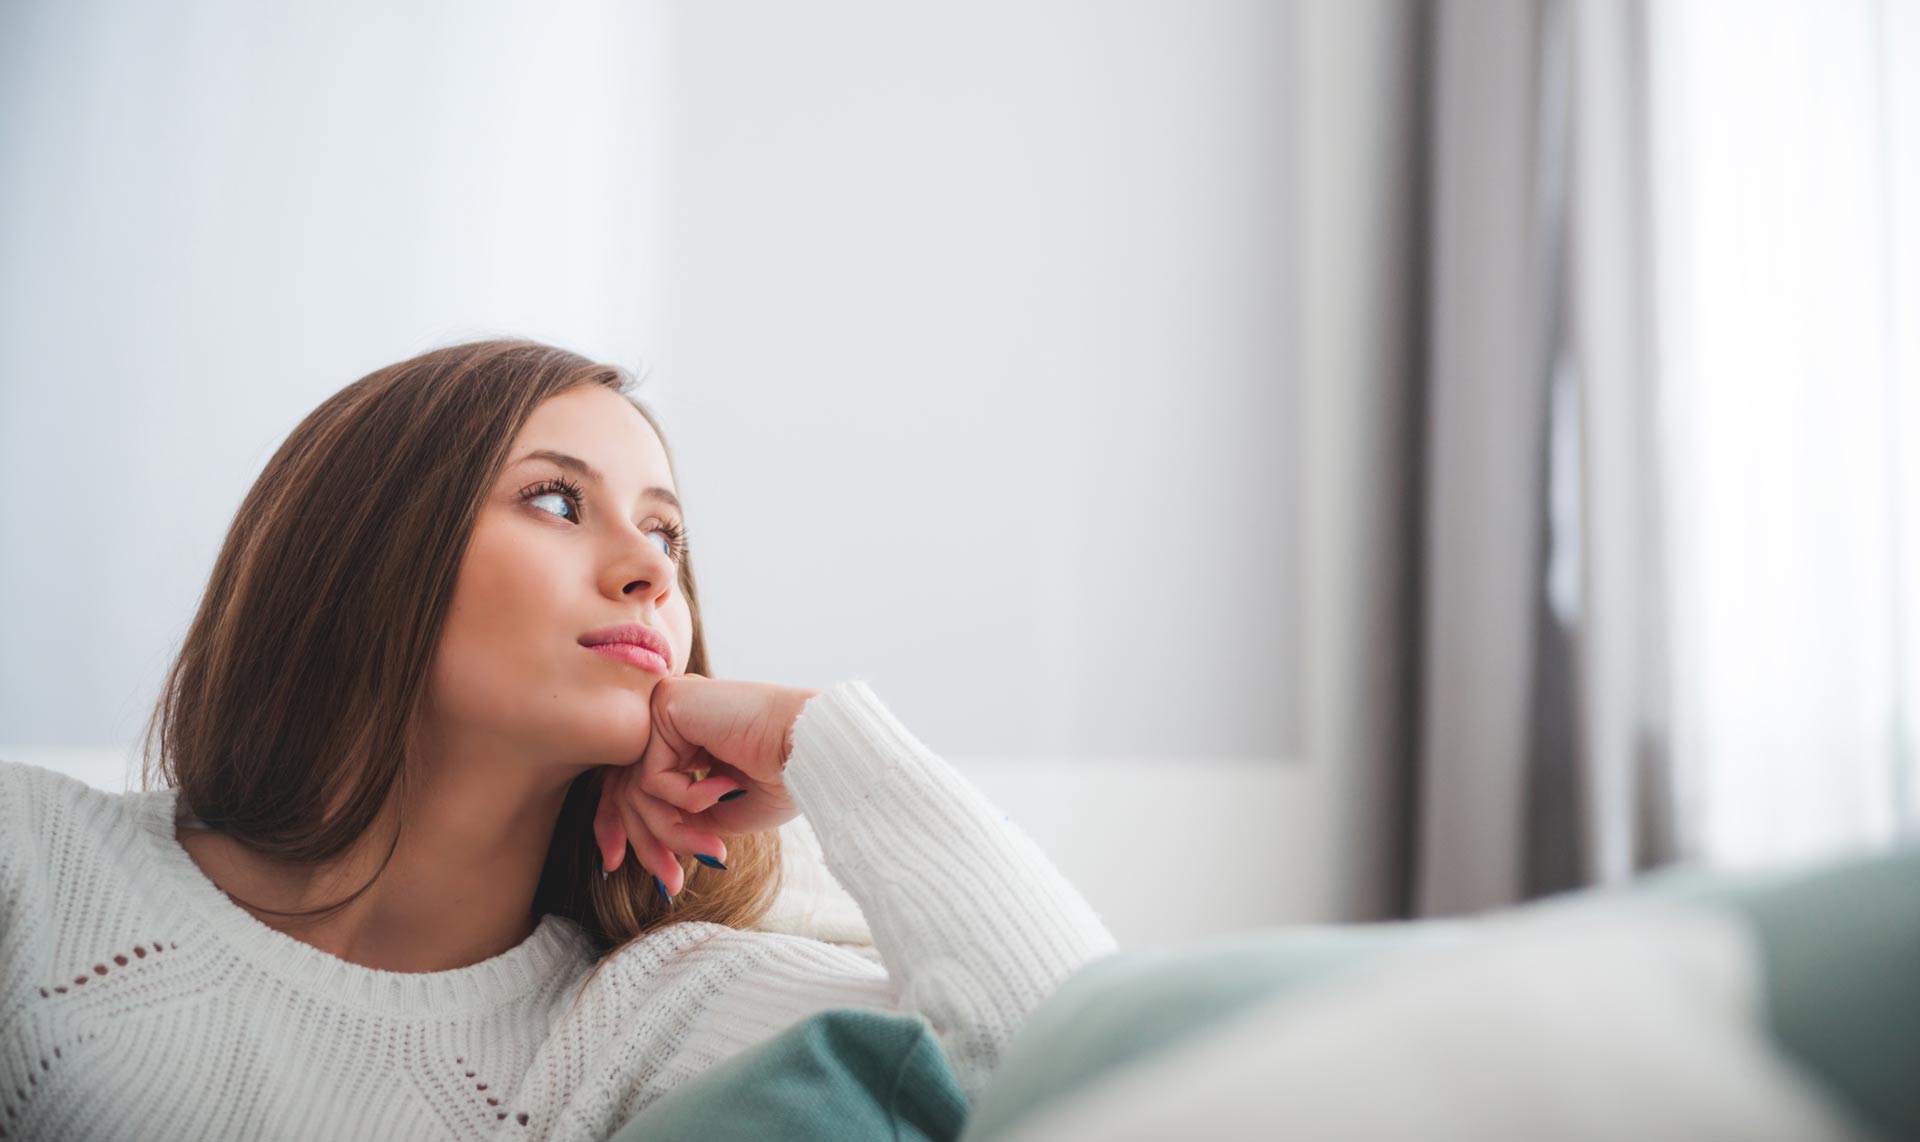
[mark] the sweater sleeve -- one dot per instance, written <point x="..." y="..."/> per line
<point x="973" y="922"/>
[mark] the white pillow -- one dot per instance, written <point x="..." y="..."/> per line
<point x="1599" y="1024"/>
<point x="811" y="902"/>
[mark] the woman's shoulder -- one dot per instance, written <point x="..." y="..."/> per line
<point x="42" y="808"/>
<point x="30" y="794"/>
<point x="49" y="790"/>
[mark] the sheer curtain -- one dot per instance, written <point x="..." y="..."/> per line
<point x="1786" y="196"/>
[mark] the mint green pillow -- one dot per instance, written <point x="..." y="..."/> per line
<point x="1840" y="946"/>
<point x="844" y="1074"/>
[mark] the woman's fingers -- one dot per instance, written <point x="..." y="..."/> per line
<point x="679" y="833"/>
<point x="609" y="832"/>
<point x="654" y="828"/>
<point x="654" y="857"/>
<point x="689" y="791"/>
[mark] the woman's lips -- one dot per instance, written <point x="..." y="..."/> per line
<point x="634" y="654"/>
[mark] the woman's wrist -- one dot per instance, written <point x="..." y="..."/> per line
<point x="798" y="701"/>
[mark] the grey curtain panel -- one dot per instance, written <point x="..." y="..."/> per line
<point x="1482" y="545"/>
<point x="1528" y="751"/>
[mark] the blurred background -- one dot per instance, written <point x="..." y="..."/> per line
<point x="1310" y="461"/>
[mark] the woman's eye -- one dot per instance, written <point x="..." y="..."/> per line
<point x="556" y="497"/>
<point x="675" y="533"/>
<point x="565" y="493"/>
<point x="559" y="490"/>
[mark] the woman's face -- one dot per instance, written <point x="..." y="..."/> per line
<point x="544" y="568"/>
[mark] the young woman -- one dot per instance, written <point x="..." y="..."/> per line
<point x="458" y="833"/>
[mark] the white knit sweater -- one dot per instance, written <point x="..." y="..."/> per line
<point x="138" y="1001"/>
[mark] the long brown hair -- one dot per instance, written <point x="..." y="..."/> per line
<point x="284" y="718"/>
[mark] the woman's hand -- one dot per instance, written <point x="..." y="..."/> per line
<point x="710" y="738"/>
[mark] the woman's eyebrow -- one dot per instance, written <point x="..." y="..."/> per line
<point x="575" y="464"/>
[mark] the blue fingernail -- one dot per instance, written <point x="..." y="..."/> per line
<point x="703" y="858"/>
<point x="662" y="886"/>
<point x="730" y="796"/>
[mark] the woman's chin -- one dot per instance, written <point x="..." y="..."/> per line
<point x="619" y="679"/>
<point x="608" y="727"/>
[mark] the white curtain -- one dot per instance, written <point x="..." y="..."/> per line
<point x="1786" y="193"/>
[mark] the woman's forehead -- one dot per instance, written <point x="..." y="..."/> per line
<point x="599" y="434"/>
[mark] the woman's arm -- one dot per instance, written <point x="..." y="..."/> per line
<point x="974" y="923"/>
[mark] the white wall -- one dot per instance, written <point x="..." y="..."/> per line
<point x="982" y="363"/>
<point x="977" y="332"/>
<point x="215" y="214"/>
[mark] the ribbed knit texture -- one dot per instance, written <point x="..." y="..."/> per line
<point x="138" y="1001"/>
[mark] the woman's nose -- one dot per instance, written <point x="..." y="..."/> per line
<point x="643" y="568"/>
